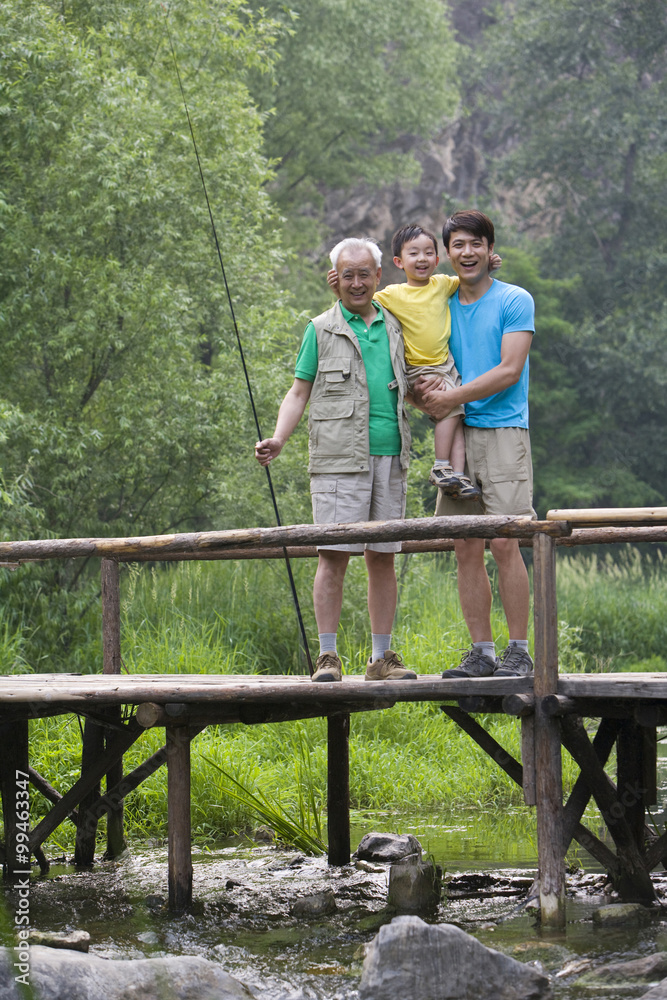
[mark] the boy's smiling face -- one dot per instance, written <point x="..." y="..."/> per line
<point x="419" y="259"/>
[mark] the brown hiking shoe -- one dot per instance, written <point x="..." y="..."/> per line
<point x="327" y="668"/>
<point x="389" y="668"/>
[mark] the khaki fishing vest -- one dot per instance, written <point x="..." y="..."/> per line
<point x="339" y="402"/>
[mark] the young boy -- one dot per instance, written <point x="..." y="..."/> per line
<point x="422" y="307"/>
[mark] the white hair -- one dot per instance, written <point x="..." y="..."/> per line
<point x="354" y="244"/>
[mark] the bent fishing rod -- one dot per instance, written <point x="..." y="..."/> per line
<point x="274" y="501"/>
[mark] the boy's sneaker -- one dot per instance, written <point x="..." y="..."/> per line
<point x="443" y="476"/>
<point x="474" y="663"/>
<point x="327" y="668"/>
<point x="514" y="662"/>
<point x="466" y="491"/>
<point x="454" y="485"/>
<point x="388" y="668"/>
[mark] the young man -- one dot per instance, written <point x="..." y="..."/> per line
<point x="351" y="369"/>
<point x="492" y="329"/>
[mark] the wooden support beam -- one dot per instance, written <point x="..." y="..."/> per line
<point x="150" y="714"/>
<point x="111" y="664"/>
<point x="633" y="882"/>
<point x="548" y="766"/>
<point x="598" y="850"/>
<point x="92" y="749"/>
<point x="630" y="788"/>
<point x="528" y="758"/>
<point x="556" y="705"/>
<point x="48" y="791"/>
<point x="178" y="809"/>
<point x="603" y="744"/>
<point x="657" y="852"/>
<point x="588" y="840"/>
<point x="14" y="788"/>
<point x="651" y="714"/>
<point x="520" y="705"/>
<point x="134" y="778"/>
<point x="480" y="704"/>
<point x="650" y="765"/>
<point x="484" y="740"/>
<point x="338" y="788"/>
<point x="119" y="745"/>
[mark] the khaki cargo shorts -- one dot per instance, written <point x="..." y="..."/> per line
<point x="498" y="460"/>
<point x="448" y="372"/>
<point x="376" y="495"/>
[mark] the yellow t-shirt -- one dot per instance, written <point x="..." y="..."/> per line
<point x="423" y="311"/>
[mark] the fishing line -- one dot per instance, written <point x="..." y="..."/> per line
<point x="240" y="346"/>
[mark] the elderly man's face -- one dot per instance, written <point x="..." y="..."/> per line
<point x="358" y="279"/>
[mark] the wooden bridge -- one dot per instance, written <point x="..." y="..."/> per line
<point x="551" y="707"/>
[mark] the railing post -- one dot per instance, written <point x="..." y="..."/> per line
<point x="548" y="766"/>
<point x="338" y="789"/>
<point x="111" y="663"/>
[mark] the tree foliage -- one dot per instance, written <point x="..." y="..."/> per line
<point x="574" y="96"/>
<point x="117" y="342"/>
<point x="124" y="408"/>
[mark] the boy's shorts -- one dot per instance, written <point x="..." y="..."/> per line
<point x="498" y="460"/>
<point x="448" y="372"/>
<point x="376" y="495"/>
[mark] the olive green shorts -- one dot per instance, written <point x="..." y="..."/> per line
<point x="498" y="460"/>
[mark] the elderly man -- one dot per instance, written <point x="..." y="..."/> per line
<point x="351" y="369"/>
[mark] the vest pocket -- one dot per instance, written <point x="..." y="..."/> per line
<point x="332" y="428"/>
<point x="336" y="375"/>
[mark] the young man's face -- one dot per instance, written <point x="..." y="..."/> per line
<point x="419" y="259"/>
<point x="358" y="279"/>
<point x="469" y="255"/>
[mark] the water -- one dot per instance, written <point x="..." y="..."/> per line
<point x="243" y="894"/>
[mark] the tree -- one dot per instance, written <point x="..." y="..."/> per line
<point x="574" y="99"/>
<point x="358" y="87"/>
<point x="118" y="348"/>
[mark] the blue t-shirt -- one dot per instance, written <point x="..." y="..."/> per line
<point x="477" y="332"/>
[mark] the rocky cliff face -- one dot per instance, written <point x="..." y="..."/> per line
<point x="454" y="171"/>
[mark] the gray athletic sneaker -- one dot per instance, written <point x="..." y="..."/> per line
<point x="327" y="668"/>
<point x="514" y="662"/>
<point x="474" y="663"/>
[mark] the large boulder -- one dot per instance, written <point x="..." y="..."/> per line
<point x="56" y="974"/>
<point x="387" y="847"/>
<point x="410" y="958"/>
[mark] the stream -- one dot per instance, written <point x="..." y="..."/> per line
<point x="243" y="893"/>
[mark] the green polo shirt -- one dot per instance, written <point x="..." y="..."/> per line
<point x="383" y="432"/>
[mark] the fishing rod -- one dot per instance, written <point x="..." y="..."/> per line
<point x="274" y="501"/>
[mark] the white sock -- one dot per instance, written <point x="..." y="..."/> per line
<point x="381" y="643"/>
<point x="442" y="463"/>
<point x="521" y="643"/>
<point x="327" y="642"/>
<point x="488" y="648"/>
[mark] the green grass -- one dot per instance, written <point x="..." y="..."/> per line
<point x="219" y="618"/>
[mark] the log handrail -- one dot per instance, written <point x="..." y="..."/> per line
<point x="158" y="546"/>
